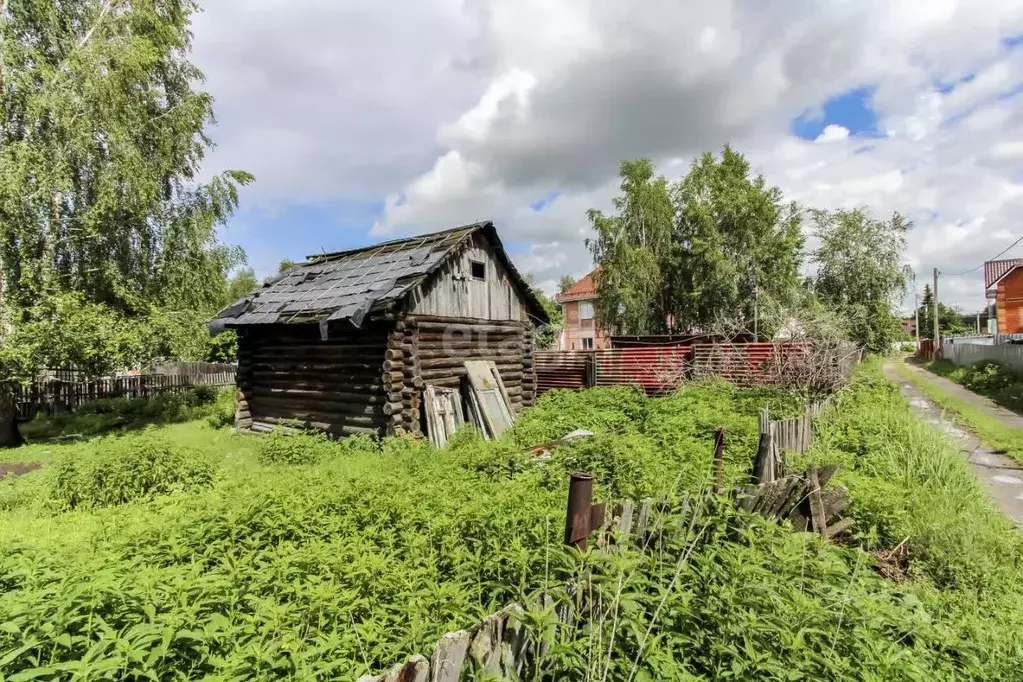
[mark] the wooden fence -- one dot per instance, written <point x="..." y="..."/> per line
<point x="51" y="395"/>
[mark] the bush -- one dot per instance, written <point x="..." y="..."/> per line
<point x="127" y="469"/>
<point x="221" y="412"/>
<point x="288" y="449"/>
<point x="108" y="415"/>
<point x="988" y="378"/>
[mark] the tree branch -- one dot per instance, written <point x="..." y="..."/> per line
<point x="99" y="20"/>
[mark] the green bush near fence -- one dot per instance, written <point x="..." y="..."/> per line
<point x="107" y="415"/>
<point x="988" y="378"/>
<point x="348" y="560"/>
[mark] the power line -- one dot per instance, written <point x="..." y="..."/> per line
<point x="1002" y="253"/>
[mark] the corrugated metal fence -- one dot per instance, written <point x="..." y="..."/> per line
<point x="661" y="369"/>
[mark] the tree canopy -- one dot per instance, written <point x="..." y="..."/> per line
<point x="861" y="272"/>
<point x="678" y="256"/>
<point x="101" y="210"/>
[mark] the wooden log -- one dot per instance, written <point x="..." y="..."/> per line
<point x="327" y="396"/>
<point x="394" y="354"/>
<point x="470" y="352"/>
<point x="316" y="418"/>
<point x="391" y="409"/>
<point x="346" y="429"/>
<point x="462" y="325"/>
<point x="287" y="405"/>
<point x="318" y="382"/>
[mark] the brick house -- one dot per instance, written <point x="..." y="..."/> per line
<point x="1003" y="285"/>
<point x="579" y="305"/>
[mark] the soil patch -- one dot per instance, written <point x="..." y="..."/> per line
<point x="14" y="469"/>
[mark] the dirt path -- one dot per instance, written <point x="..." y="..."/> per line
<point x="1000" y="476"/>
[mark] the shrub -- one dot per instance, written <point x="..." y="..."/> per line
<point x="221" y="412"/>
<point x="288" y="449"/>
<point x="129" y="468"/>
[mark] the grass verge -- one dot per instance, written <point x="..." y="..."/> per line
<point x="993" y="433"/>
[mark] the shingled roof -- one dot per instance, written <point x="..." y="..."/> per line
<point x="348" y="285"/>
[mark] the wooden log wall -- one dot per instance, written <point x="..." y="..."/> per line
<point x="345" y="385"/>
<point x="441" y="345"/>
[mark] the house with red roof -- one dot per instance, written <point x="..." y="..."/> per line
<point x="1003" y="286"/>
<point x="579" y="305"/>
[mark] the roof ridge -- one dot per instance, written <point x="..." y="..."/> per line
<point x="402" y="240"/>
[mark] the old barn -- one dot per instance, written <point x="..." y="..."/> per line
<point x="347" y="341"/>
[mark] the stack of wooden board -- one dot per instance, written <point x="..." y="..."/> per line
<point x="488" y="406"/>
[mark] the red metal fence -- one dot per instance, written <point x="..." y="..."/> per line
<point x="661" y="369"/>
<point x="926" y="350"/>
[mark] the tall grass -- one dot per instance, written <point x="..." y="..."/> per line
<point x="313" y="559"/>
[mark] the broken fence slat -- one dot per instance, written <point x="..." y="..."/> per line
<point x="816" y="505"/>
<point x="839" y="528"/>
<point x="646" y="507"/>
<point x="625" y="518"/>
<point x="448" y="657"/>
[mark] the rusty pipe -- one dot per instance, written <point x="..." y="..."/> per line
<point x="580" y="503"/>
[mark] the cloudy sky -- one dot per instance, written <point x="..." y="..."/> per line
<point x="364" y="120"/>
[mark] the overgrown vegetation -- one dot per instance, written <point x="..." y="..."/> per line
<point x="106" y="415"/>
<point x="988" y="378"/>
<point x="304" y="557"/>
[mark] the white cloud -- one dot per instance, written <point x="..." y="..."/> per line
<point x="832" y="133"/>
<point x="465" y="109"/>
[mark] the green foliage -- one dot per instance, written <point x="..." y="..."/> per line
<point x="223" y="347"/>
<point x="240" y="285"/>
<point x="221" y="412"/>
<point x="988" y="378"/>
<point x="107" y="415"/>
<point x="565" y="283"/>
<point x="371" y="551"/>
<point x="108" y="247"/>
<point x="282" y="449"/>
<point x="129" y="469"/>
<point x="950" y="320"/>
<point x="547" y="334"/>
<point x="860" y="272"/>
<point x="681" y="257"/>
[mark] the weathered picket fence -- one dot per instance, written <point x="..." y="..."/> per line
<point x="791" y="435"/>
<point x="53" y="394"/>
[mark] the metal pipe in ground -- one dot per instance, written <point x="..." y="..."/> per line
<point x="580" y="504"/>
<point x="719" y="459"/>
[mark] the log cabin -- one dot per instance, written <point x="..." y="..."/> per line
<point x="346" y="341"/>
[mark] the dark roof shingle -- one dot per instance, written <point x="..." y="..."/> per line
<point x="347" y="285"/>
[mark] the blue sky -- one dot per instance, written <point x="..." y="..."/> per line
<point x="853" y="110"/>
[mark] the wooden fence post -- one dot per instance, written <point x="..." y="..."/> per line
<point x="719" y="459"/>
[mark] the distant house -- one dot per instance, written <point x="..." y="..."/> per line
<point x="346" y="341"/>
<point x="909" y="325"/>
<point x="1003" y="286"/>
<point x="579" y="305"/>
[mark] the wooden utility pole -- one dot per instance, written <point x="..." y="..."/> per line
<point x="916" y="309"/>
<point x="937" y="324"/>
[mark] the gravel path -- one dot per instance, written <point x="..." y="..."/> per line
<point x="1001" y="477"/>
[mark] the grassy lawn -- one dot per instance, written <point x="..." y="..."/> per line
<point x="183" y="550"/>
<point x="993" y="433"/>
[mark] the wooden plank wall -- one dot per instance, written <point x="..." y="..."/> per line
<point x="442" y="345"/>
<point x="287" y="374"/>
<point x="453" y="292"/>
